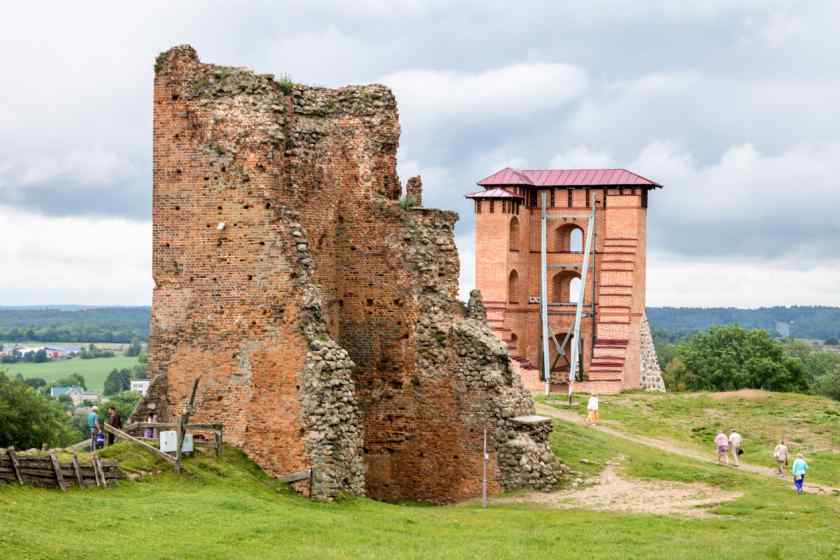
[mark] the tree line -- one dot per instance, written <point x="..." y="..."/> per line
<point x="816" y="322"/>
<point x="727" y="358"/>
<point x="54" y="324"/>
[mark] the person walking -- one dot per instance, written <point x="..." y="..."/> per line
<point x="722" y="444"/>
<point x="149" y="432"/>
<point x="800" y="467"/>
<point x="115" y="421"/>
<point x="93" y="426"/>
<point x="781" y="456"/>
<point x="735" y="442"/>
<point x="593" y="415"/>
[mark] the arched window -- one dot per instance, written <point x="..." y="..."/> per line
<point x="513" y="287"/>
<point x="574" y="289"/>
<point x="576" y="240"/>
<point x="513" y="345"/>
<point x="565" y="287"/>
<point x="568" y="238"/>
<point x="514" y="234"/>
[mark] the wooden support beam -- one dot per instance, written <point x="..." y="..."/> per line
<point x="182" y="424"/>
<point x="97" y="467"/>
<point x="59" y="478"/>
<point x="77" y="471"/>
<point x="158" y="425"/>
<point x="15" y="465"/>
<point x="205" y="426"/>
<point x="120" y="434"/>
<point x="295" y="476"/>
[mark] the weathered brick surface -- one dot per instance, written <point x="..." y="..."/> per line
<point x="321" y="316"/>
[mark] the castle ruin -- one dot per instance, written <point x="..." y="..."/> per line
<point x="320" y="314"/>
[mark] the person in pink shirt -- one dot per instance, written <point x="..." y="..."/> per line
<point x="722" y="443"/>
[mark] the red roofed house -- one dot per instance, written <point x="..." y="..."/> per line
<point x="617" y="349"/>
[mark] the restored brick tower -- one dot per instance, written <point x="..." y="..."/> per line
<point x="616" y="346"/>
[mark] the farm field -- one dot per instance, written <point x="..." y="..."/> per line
<point x="95" y="371"/>
<point x="230" y="509"/>
<point x="810" y="425"/>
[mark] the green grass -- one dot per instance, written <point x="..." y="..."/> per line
<point x="810" y="424"/>
<point x="229" y="509"/>
<point x="95" y="371"/>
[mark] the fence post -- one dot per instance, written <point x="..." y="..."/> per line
<point x="15" y="466"/>
<point x="77" y="471"/>
<point x="59" y="478"/>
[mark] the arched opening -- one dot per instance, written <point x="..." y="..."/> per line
<point x="565" y="287"/>
<point x="514" y="234"/>
<point x="576" y="240"/>
<point x="574" y="289"/>
<point x="513" y="287"/>
<point x="568" y="238"/>
<point x="513" y="345"/>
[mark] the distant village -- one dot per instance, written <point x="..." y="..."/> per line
<point x="70" y="390"/>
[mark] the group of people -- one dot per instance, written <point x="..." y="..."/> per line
<point x="97" y="434"/>
<point x="734" y="443"/>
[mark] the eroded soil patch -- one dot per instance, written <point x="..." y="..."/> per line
<point x="614" y="492"/>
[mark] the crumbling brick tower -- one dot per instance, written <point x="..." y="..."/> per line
<point x="616" y="345"/>
<point x="319" y="313"/>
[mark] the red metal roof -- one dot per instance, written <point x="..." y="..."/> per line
<point x="494" y="193"/>
<point x="567" y="178"/>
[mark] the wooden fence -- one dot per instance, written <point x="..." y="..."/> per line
<point x="47" y="471"/>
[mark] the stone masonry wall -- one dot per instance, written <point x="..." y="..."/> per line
<point x="319" y="314"/>
<point x="651" y="373"/>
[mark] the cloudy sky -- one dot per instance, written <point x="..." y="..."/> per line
<point x="732" y="105"/>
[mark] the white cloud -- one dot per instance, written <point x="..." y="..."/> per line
<point x="708" y="282"/>
<point x="582" y="157"/>
<point x="748" y="203"/>
<point x="73" y="260"/>
<point x="90" y="166"/>
<point x="431" y="97"/>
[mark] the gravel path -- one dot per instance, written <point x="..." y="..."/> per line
<point x="672" y="447"/>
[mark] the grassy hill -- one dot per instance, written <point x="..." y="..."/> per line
<point x="810" y="424"/>
<point x="229" y="509"/>
<point x="95" y="371"/>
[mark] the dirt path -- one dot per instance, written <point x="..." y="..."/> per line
<point x="613" y="492"/>
<point x="672" y="447"/>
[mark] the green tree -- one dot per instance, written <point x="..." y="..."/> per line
<point x="117" y="381"/>
<point x="28" y="419"/>
<point x="124" y="402"/>
<point x="36" y="382"/>
<point x="71" y="380"/>
<point x="730" y="358"/>
<point x="134" y="348"/>
<point x="140" y="371"/>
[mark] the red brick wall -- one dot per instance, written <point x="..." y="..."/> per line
<point x="315" y="250"/>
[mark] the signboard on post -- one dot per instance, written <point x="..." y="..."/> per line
<point x="169" y="442"/>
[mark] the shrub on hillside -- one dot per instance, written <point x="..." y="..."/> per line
<point x="28" y="419"/>
<point x="730" y="358"/>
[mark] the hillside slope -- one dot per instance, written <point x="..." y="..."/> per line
<point x="809" y="424"/>
<point x="230" y="509"/>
